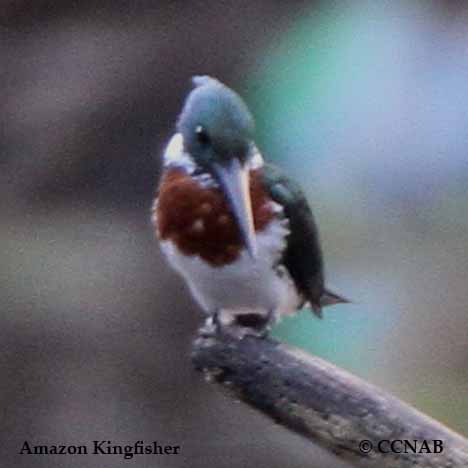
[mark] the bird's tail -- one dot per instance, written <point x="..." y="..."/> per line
<point x="329" y="298"/>
<point x="326" y="299"/>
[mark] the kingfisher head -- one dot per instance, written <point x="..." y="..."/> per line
<point x="217" y="130"/>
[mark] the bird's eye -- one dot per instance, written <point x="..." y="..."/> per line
<point x="202" y="135"/>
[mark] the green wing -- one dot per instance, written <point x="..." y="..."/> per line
<point x="303" y="255"/>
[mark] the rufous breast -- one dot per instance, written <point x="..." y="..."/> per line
<point x="198" y="220"/>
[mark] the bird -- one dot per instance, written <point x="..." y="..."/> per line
<point x="238" y="230"/>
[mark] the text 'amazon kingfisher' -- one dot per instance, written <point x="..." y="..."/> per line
<point x="238" y="230"/>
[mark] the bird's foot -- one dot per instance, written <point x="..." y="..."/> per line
<point x="211" y="325"/>
<point x="237" y="325"/>
<point x="253" y="324"/>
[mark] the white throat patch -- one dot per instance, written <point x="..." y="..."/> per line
<point x="176" y="156"/>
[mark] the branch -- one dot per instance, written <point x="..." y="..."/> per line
<point x="327" y="405"/>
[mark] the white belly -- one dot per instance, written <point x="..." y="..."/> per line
<point x="245" y="286"/>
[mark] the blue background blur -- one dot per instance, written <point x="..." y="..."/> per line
<point x="364" y="103"/>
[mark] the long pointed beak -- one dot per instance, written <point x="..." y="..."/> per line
<point x="234" y="182"/>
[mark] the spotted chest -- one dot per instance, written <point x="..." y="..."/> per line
<point x="198" y="221"/>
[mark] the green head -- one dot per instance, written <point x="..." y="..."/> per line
<point x="217" y="130"/>
<point x="215" y="123"/>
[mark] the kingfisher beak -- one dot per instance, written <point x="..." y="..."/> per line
<point x="234" y="180"/>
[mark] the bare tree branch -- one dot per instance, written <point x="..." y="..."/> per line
<point x="329" y="406"/>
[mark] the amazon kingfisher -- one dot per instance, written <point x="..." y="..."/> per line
<point x="238" y="230"/>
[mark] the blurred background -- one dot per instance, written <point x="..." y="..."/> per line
<point x="364" y="103"/>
